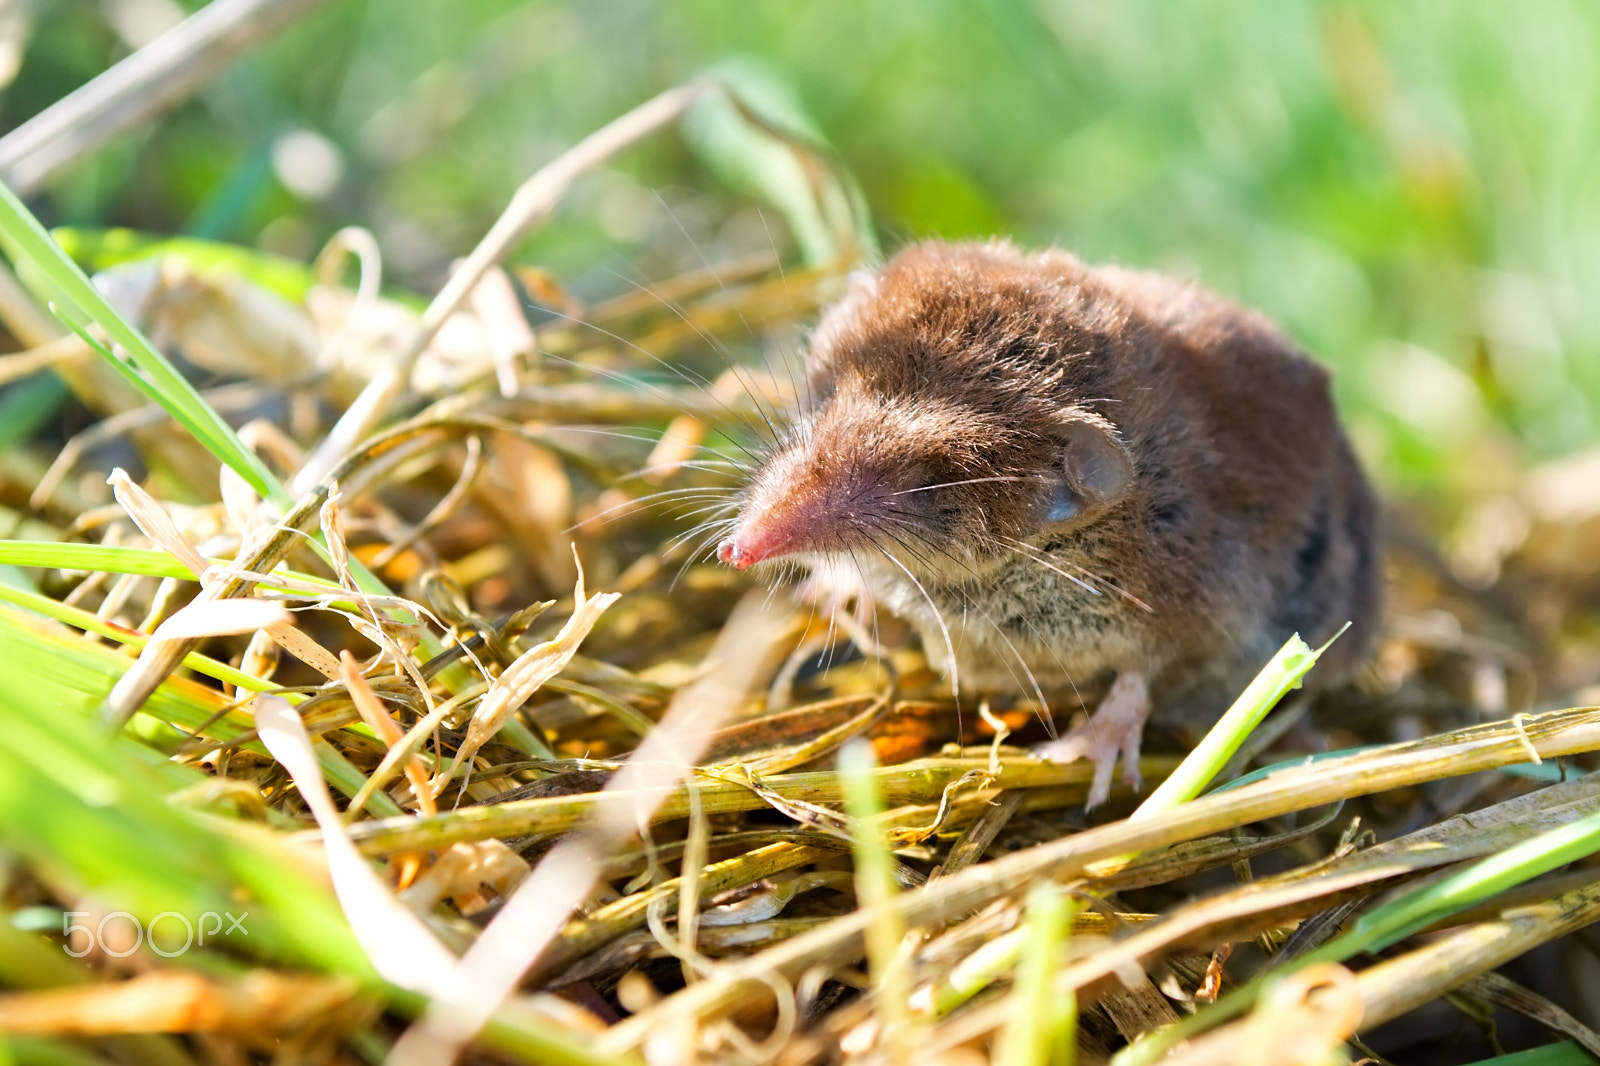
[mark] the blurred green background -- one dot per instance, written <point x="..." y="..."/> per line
<point x="1411" y="187"/>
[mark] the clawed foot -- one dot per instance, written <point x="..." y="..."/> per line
<point x="1115" y="728"/>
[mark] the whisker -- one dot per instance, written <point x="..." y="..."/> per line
<point x="949" y="484"/>
<point x="643" y="503"/>
<point x="795" y="381"/>
<point x="1026" y="552"/>
<point x="938" y="617"/>
<point x="865" y="605"/>
<point x="695" y="554"/>
<point x="713" y="509"/>
<point x="697" y="380"/>
<point x="737" y="309"/>
<point x="1039" y="558"/>
<point x="677" y="309"/>
<point x="713" y="528"/>
<point x="645" y="436"/>
<point x="969" y="601"/>
<point x="694" y="512"/>
<point x="704" y="491"/>
<point x="638" y="383"/>
<point x="1033" y="682"/>
<point x="900" y="519"/>
<point x="1045" y="715"/>
<point x="704" y="466"/>
<point x="715" y="344"/>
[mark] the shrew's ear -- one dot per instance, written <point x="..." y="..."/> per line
<point x="1095" y="469"/>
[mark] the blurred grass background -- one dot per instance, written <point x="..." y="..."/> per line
<point x="1412" y="188"/>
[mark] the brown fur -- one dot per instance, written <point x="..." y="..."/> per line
<point x="1245" y="517"/>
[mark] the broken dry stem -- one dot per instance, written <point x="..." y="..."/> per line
<point x="589" y="932"/>
<point x="263" y="550"/>
<point x="840" y="942"/>
<point x="712" y="942"/>
<point x="916" y="782"/>
<point x="1394" y="987"/>
<point x="1244" y="912"/>
<point x="585" y="934"/>
<point x="155" y="77"/>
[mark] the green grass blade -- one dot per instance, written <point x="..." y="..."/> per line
<point x="71" y="677"/>
<point x="1565" y="1053"/>
<point x="145" y="562"/>
<point x="875" y="886"/>
<point x="1284" y="672"/>
<point x="82" y="303"/>
<point x="113" y="559"/>
<point x="89" y="810"/>
<point x="102" y="249"/>
<point x="92" y="623"/>
<point x="1415" y="911"/>
<point x="1035" y="1033"/>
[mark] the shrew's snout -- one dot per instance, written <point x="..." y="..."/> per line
<point x="759" y="537"/>
<point x="736" y="555"/>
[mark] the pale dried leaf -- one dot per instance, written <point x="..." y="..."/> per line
<point x="175" y="1001"/>
<point x="221" y="618"/>
<point x="400" y="946"/>
<point x="240" y="501"/>
<point x="154" y="522"/>
<point x="329" y="265"/>
<point x="261" y="657"/>
<point x="232" y="326"/>
<point x="333" y="532"/>
<point x="371" y="709"/>
<point x="505" y="327"/>
<point x="375" y="627"/>
<point x="463" y="870"/>
<point x="305" y="649"/>
<point x="527" y="673"/>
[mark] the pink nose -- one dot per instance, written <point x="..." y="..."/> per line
<point x="731" y="553"/>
